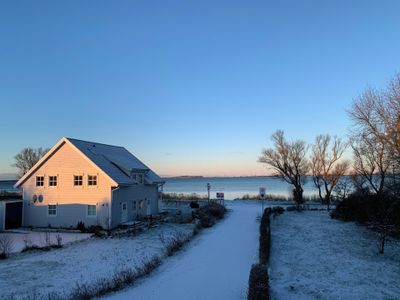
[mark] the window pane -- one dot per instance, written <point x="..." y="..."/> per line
<point x="52" y="210"/>
<point x="78" y="180"/>
<point x="39" y="180"/>
<point x="91" y="210"/>
<point x="52" y="180"/>
<point x="92" y="180"/>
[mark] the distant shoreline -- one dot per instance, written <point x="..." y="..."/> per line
<point x="199" y="176"/>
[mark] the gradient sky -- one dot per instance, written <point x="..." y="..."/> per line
<point x="190" y="87"/>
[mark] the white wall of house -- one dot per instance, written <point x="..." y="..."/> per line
<point x="131" y="194"/>
<point x="71" y="201"/>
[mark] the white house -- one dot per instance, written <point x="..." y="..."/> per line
<point x="93" y="183"/>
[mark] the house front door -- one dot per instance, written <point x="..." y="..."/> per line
<point x="124" y="212"/>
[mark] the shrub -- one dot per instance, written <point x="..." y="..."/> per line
<point x="6" y="245"/>
<point x="382" y="213"/>
<point x="97" y="230"/>
<point x="265" y="237"/>
<point x="369" y="208"/>
<point x="148" y="266"/>
<point x="117" y="282"/>
<point x="213" y="209"/>
<point x="81" y="226"/>
<point x="277" y="210"/>
<point x="258" y="283"/>
<point x="206" y="221"/>
<point x="194" y="204"/>
<point x="176" y="243"/>
<point x="208" y="214"/>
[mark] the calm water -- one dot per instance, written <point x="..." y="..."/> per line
<point x="233" y="187"/>
<point x="8" y="185"/>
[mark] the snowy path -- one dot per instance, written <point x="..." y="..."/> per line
<point x="215" y="265"/>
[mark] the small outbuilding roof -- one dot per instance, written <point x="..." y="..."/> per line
<point x="115" y="161"/>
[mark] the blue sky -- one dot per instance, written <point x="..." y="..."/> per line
<point x="190" y="87"/>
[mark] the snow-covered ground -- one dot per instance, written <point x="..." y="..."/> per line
<point x="59" y="270"/>
<point x="312" y="257"/>
<point x="316" y="257"/>
<point x="21" y="238"/>
<point x="215" y="265"/>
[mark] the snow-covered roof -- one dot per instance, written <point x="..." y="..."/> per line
<point x="115" y="161"/>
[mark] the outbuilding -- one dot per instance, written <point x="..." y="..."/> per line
<point x="10" y="214"/>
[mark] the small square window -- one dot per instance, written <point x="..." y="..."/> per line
<point x="39" y="180"/>
<point x="140" y="178"/>
<point x="92" y="180"/>
<point x="91" y="210"/>
<point x="52" y="180"/>
<point x="78" y="180"/>
<point x="52" y="210"/>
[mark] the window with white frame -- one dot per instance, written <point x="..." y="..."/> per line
<point x="52" y="180"/>
<point x="92" y="180"/>
<point x="39" y="180"/>
<point x="139" y="178"/>
<point x="52" y="210"/>
<point x="78" y="180"/>
<point x="134" y="205"/>
<point x="140" y="204"/>
<point x="91" y="210"/>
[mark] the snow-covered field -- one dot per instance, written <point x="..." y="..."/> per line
<point x="215" y="265"/>
<point x="312" y="257"/>
<point x="21" y="238"/>
<point x="59" y="270"/>
<point x="316" y="257"/>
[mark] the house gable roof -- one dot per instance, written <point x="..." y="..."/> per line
<point x="115" y="162"/>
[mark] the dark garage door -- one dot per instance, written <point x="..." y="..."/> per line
<point x="13" y="215"/>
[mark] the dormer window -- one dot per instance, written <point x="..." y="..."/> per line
<point x="139" y="178"/>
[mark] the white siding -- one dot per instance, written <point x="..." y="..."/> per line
<point x="134" y="193"/>
<point x="71" y="200"/>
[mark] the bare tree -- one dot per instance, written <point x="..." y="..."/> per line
<point x="371" y="162"/>
<point x="27" y="158"/>
<point x="376" y="147"/>
<point x="343" y="188"/>
<point x="289" y="161"/>
<point x="376" y="134"/>
<point x="326" y="165"/>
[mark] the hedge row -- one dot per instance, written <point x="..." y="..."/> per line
<point x="259" y="280"/>
<point x="258" y="283"/>
<point x="265" y="237"/>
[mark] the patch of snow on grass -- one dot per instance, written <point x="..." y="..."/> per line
<point x="59" y="270"/>
<point x="316" y="257"/>
<point x="21" y="237"/>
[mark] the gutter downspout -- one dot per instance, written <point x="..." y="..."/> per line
<point x="160" y="199"/>
<point x="110" y="206"/>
